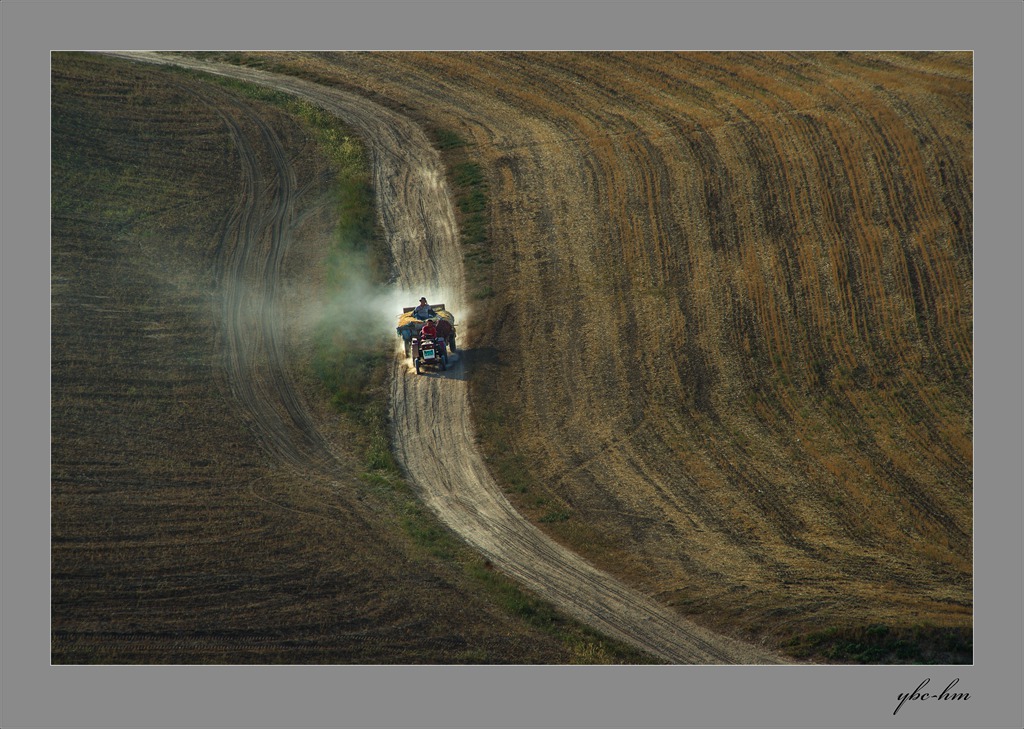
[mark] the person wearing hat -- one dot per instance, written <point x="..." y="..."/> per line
<point x="423" y="311"/>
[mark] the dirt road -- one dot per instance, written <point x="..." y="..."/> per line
<point x="776" y="440"/>
<point x="432" y="431"/>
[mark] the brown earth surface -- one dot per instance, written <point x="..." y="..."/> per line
<point x="723" y="351"/>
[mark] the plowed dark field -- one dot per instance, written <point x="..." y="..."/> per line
<point x="718" y="331"/>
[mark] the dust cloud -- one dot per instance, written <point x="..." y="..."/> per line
<point x="352" y="303"/>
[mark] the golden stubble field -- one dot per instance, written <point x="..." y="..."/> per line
<point x="726" y="351"/>
<point x="723" y="347"/>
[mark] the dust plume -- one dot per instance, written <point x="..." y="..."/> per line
<point x="353" y="304"/>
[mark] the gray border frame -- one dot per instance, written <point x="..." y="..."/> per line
<point x="36" y="694"/>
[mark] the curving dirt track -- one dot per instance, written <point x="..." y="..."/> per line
<point x="419" y="222"/>
<point x="750" y="279"/>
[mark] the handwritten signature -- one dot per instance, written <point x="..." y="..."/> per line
<point x="945" y="695"/>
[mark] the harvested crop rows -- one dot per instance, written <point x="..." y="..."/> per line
<point x="733" y="323"/>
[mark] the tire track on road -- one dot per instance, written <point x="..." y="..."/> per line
<point x="252" y="250"/>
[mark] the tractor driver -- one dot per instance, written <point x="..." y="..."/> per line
<point x="429" y="331"/>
